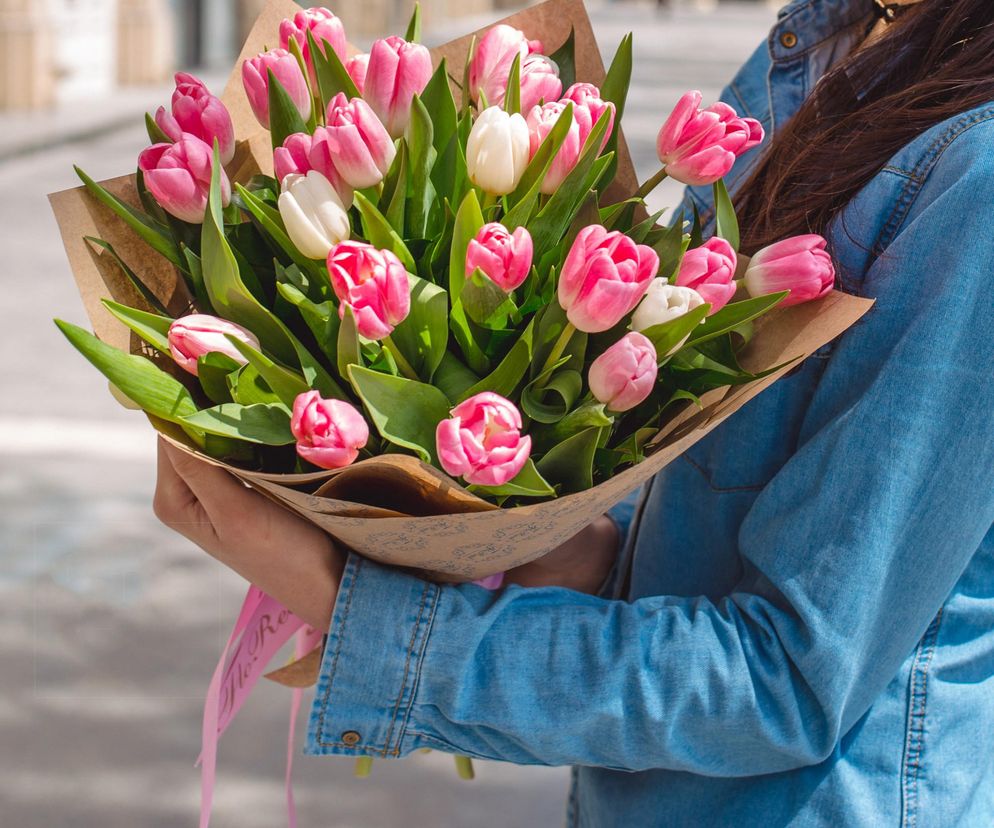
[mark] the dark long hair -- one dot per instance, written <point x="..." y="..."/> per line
<point x="935" y="61"/>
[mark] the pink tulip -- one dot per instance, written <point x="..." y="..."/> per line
<point x="700" y="146"/>
<point x="284" y="66"/>
<point x="541" y="120"/>
<point x="179" y="177"/>
<point x="625" y="374"/>
<point x="539" y="81"/>
<point x="505" y="258"/>
<point x="799" y="264"/>
<point x="604" y="277"/>
<point x="396" y="72"/>
<point x="326" y="29"/>
<point x="482" y="442"/>
<point x="373" y="283"/>
<point x="491" y="582"/>
<point x="710" y="270"/>
<point x="492" y="61"/>
<point x="197" y="112"/>
<point x="329" y="432"/>
<point x="357" y="67"/>
<point x="588" y="107"/>
<point x="354" y="142"/>
<point x="190" y="337"/>
<point x="297" y="155"/>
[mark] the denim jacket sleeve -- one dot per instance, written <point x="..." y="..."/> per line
<point x="848" y="553"/>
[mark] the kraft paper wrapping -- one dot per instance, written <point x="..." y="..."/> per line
<point x="395" y="509"/>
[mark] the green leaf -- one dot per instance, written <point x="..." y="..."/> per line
<point x="271" y="223"/>
<point x="424" y="335"/>
<point x="438" y="100"/>
<point x="151" y="327"/>
<point x="137" y="378"/>
<point x="248" y="387"/>
<point x="321" y="318"/>
<point x="485" y="303"/>
<point x="155" y="133"/>
<point x="570" y="464"/>
<point x="285" y="383"/>
<point x="331" y="73"/>
<point x="549" y="225"/>
<point x="670" y="243"/>
<point x="565" y="58"/>
<point x="413" y="34"/>
<point x="526" y="483"/>
<point x="133" y="277"/>
<point x="405" y="412"/>
<point x="349" y="348"/>
<point x="266" y="424"/>
<point x="379" y="233"/>
<point x="526" y="195"/>
<point x="395" y="199"/>
<point x="548" y="401"/>
<point x="228" y="293"/>
<point x="419" y="139"/>
<point x="284" y="117"/>
<point x="727" y="224"/>
<point x="512" y="96"/>
<point x="615" y="89"/>
<point x="469" y="220"/>
<point x="591" y="414"/>
<point x="453" y="378"/>
<point x="733" y="315"/>
<point x="669" y="335"/>
<point x="507" y="376"/>
<point x="213" y="370"/>
<point x="151" y="232"/>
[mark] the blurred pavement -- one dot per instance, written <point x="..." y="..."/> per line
<point x="109" y="623"/>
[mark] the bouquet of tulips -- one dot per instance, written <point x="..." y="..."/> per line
<point x="440" y="267"/>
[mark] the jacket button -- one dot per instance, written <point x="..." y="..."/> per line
<point x="351" y="738"/>
<point x="788" y="40"/>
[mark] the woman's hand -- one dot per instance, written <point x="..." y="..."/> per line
<point x="282" y="554"/>
<point x="581" y="564"/>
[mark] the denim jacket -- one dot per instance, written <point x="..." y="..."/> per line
<point x="804" y="630"/>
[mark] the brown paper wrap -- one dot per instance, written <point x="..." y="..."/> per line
<point x="395" y="509"/>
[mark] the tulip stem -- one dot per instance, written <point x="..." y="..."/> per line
<point x="651" y="184"/>
<point x="398" y="357"/>
<point x="559" y="347"/>
<point x="363" y="765"/>
<point x="464" y="767"/>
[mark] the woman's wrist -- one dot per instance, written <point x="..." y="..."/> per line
<point x="581" y="564"/>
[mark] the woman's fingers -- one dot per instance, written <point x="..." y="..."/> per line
<point x="176" y="504"/>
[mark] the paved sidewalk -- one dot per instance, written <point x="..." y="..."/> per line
<point x="109" y="623"/>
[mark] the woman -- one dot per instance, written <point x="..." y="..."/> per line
<point x="800" y="627"/>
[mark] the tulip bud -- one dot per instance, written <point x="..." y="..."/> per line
<point x="284" y="66"/>
<point x="799" y="264"/>
<point x="505" y="258"/>
<point x="179" y="177"/>
<point x="397" y="71"/>
<point x="295" y="157"/>
<point x="604" y="277"/>
<point x="482" y="442"/>
<point x="373" y="283"/>
<point x="357" y="67"/>
<point x="699" y="146"/>
<point x="541" y="120"/>
<point x="588" y="107"/>
<point x="354" y="142"/>
<point x="329" y="433"/>
<point x="190" y="337"/>
<point x="324" y="26"/>
<point x="197" y="112"/>
<point x="497" y="151"/>
<point x="539" y="81"/>
<point x="490" y="67"/>
<point x="710" y="270"/>
<point x="663" y="303"/>
<point x="313" y="214"/>
<point x="625" y="374"/>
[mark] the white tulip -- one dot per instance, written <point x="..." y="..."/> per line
<point x="663" y="303"/>
<point x="313" y="213"/>
<point x="497" y="151"/>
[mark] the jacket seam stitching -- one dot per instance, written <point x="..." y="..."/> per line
<point x="334" y="661"/>
<point x="750" y="488"/>
<point x="915" y="734"/>
<point x="432" y="609"/>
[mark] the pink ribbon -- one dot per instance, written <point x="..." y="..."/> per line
<point x="264" y="625"/>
